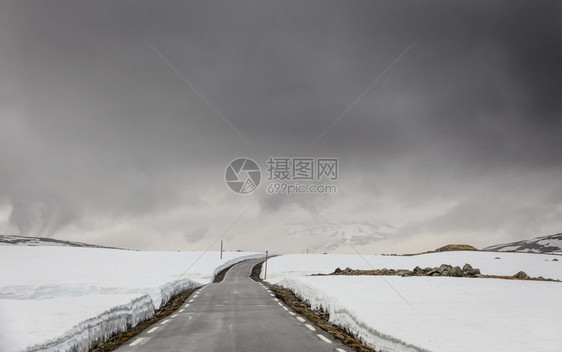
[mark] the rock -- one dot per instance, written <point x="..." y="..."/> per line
<point x="480" y="276"/>
<point x="497" y="258"/>
<point x="472" y="272"/>
<point x="554" y="260"/>
<point x="469" y="271"/>
<point x="444" y="269"/>
<point x="337" y="271"/>
<point x="404" y="273"/>
<point x="418" y="271"/>
<point x="456" y="271"/>
<point x="521" y="275"/>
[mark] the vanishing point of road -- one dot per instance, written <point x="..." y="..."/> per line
<point x="237" y="314"/>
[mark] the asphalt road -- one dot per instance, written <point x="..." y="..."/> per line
<point x="237" y="314"/>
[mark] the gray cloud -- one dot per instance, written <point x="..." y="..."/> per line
<point x="100" y="137"/>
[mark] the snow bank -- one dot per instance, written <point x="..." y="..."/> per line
<point x="69" y="323"/>
<point x="69" y="299"/>
<point x="450" y="314"/>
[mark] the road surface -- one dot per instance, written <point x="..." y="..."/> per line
<point x="237" y="314"/>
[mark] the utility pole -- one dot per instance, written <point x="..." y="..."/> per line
<point x="221" y="249"/>
<point x="265" y="271"/>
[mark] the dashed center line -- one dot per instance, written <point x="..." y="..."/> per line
<point x="310" y="327"/>
<point x="292" y="313"/>
<point x="152" y="330"/>
<point x="324" y="338"/>
<point x="302" y="320"/>
<point x="286" y="309"/>
<point x="175" y="315"/>
<point x="340" y="350"/>
<point x="181" y="310"/>
<point x="138" y="341"/>
<point x="164" y="322"/>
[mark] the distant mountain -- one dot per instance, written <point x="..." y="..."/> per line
<point x="545" y="244"/>
<point x="12" y="240"/>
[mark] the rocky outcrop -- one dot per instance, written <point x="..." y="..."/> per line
<point x="456" y="247"/>
<point x="443" y="270"/>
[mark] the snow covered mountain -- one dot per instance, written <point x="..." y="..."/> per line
<point x="545" y="244"/>
<point x="13" y="240"/>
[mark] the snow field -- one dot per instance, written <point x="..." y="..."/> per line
<point x="438" y="314"/>
<point x="534" y="265"/>
<point x="68" y="299"/>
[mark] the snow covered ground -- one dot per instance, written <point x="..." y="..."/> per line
<point x="443" y="314"/>
<point x="60" y="298"/>
<point x="534" y="265"/>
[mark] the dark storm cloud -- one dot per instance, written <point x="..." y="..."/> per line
<point x="96" y="126"/>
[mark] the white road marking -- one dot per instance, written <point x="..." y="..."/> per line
<point x="191" y="301"/>
<point x="292" y="313"/>
<point x="139" y="341"/>
<point x="324" y="338"/>
<point x="181" y="310"/>
<point x="272" y="295"/>
<point x="175" y="315"/>
<point x="187" y="305"/>
<point x="276" y="299"/>
<point x="310" y="327"/>
<point x="285" y="309"/>
<point x="340" y="350"/>
<point x="152" y="330"/>
<point x="280" y="305"/>
<point x="164" y="322"/>
<point x="302" y="320"/>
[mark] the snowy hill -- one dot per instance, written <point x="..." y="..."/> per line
<point x="14" y="240"/>
<point x="545" y="244"/>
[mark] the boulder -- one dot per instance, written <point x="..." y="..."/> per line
<point x="521" y="275"/>
<point x="456" y="271"/>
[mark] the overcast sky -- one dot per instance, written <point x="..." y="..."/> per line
<point x="119" y="118"/>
